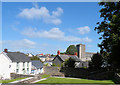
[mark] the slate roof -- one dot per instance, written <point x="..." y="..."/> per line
<point x="64" y="57"/>
<point x="37" y="64"/>
<point x="18" y="57"/>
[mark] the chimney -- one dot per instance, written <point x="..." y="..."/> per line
<point x="75" y="54"/>
<point x="58" y="52"/>
<point x="5" y="50"/>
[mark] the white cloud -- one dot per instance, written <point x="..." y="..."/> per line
<point x="54" y="33"/>
<point x="24" y="43"/>
<point x="42" y="13"/>
<point x="83" y="30"/>
<point x="1" y="42"/>
<point x="35" y="4"/>
<point x="58" y="12"/>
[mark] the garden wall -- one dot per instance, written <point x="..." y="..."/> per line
<point x="87" y="74"/>
<point x="14" y="76"/>
<point x="53" y="71"/>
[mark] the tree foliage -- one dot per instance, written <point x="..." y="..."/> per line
<point x="96" y="61"/>
<point x="109" y="28"/>
<point x="36" y="58"/>
<point x="69" y="63"/>
<point x="71" y="50"/>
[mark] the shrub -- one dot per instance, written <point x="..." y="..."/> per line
<point x="69" y="63"/>
<point x="96" y="61"/>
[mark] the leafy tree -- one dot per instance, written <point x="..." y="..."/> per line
<point x="35" y="58"/>
<point x="109" y="28"/>
<point x="62" y="52"/>
<point x="96" y="61"/>
<point x="71" y="50"/>
<point x="69" y="63"/>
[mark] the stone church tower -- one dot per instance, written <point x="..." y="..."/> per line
<point x="81" y="50"/>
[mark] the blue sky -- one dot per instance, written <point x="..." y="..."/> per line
<point x="47" y="27"/>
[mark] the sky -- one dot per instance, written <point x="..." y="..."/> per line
<point x="46" y="27"/>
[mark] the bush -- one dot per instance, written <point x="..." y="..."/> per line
<point x="69" y="63"/>
<point x="96" y="61"/>
<point x="53" y="64"/>
<point x="46" y="64"/>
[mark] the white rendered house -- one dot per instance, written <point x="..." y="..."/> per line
<point x="37" y="67"/>
<point x="14" y="62"/>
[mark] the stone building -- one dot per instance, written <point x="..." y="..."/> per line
<point x="82" y="54"/>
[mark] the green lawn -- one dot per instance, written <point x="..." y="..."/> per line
<point x="45" y="76"/>
<point x="54" y="80"/>
<point x="8" y="81"/>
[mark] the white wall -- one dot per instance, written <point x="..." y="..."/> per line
<point x="43" y="59"/>
<point x="37" y="70"/>
<point x="42" y="70"/>
<point x="4" y="67"/>
<point x="25" y="66"/>
<point x="7" y="67"/>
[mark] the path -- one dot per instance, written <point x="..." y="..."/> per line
<point x="39" y="80"/>
<point x="53" y="76"/>
<point x="22" y="80"/>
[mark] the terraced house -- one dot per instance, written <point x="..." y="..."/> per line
<point x="14" y="62"/>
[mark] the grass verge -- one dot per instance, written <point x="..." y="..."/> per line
<point x="45" y="76"/>
<point x="8" y="81"/>
<point x="54" y="80"/>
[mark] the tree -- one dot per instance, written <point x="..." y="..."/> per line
<point x="69" y="63"/>
<point x="71" y="50"/>
<point x="109" y="28"/>
<point x="96" y="61"/>
<point x="36" y="58"/>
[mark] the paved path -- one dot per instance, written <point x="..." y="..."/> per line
<point x="18" y="81"/>
<point x="40" y="80"/>
<point x="55" y="77"/>
<point x="22" y="80"/>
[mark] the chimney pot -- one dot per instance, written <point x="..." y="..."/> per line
<point x="5" y="50"/>
<point x="58" y="52"/>
<point x="76" y="53"/>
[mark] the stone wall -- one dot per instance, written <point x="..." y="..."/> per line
<point x="14" y="76"/>
<point x="75" y="72"/>
<point x="87" y="74"/>
<point x="53" y="71"/>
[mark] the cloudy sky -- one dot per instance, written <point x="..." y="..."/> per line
<point x="48" y="27"/>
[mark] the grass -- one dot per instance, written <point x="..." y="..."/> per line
<point x="8" y="81"/>
<point x="45" y="76"/>
<point x="54" y="80"/>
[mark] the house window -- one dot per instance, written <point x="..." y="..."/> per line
<point x="27" y="70"/>
<point x="17" y="65"/>
<point x="17" y="70"/>
<point x="28" y="64"/>
<point x="23" y="71"/>
<point x="23" y="64"/>
<point x="9" y="66"/>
